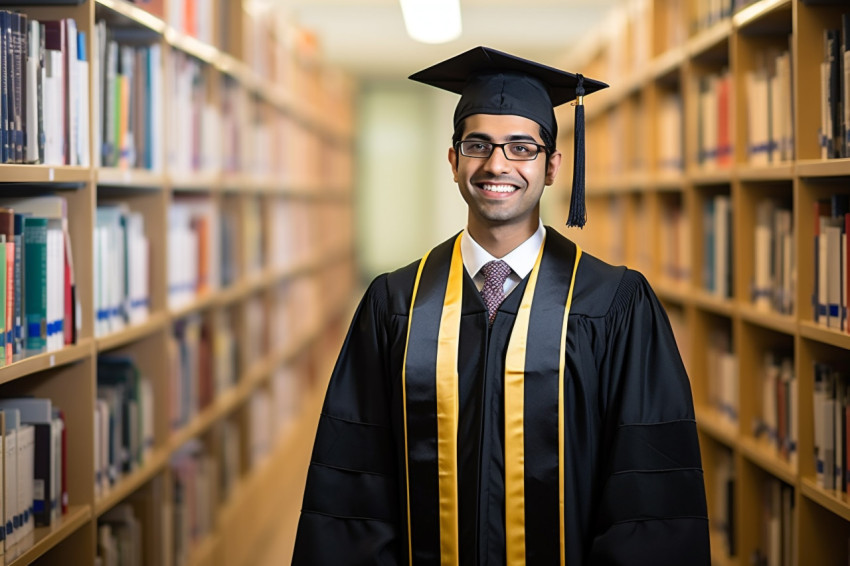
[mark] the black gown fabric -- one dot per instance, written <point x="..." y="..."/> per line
<point x="634" y="491"/>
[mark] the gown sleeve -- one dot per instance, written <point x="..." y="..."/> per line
<point x="652" y="507"/>
<point x="350" y="511"/>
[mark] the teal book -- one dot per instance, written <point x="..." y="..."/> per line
<point x="35" y="284"/>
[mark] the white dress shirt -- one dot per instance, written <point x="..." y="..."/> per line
<point x="521" y="259"/>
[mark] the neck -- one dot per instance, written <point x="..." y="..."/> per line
<point x="500" y="240"/>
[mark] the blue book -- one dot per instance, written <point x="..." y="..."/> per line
<point x="4" y="87"/>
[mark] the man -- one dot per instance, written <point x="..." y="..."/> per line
<point x="532" y="410"/>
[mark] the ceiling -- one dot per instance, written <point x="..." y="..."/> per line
<point x="367" y="37"/>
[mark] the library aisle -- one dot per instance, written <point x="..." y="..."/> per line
<point x="176" y="266"/>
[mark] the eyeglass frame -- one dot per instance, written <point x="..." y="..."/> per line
<point x="540" y="148"/>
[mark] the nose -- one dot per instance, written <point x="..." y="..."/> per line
<point x="497" y="162"/>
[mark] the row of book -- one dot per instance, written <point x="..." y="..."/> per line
<point x="834" y="131"/>
<point x="774" y="271"/>
<point x="194" y="250"/>
<point x="128" y="79"/>
<point x="778" y="422"/>
<point x="715" y="148"/>
<point x="195" y="476"/>
<point x="203" y="362"/>
<point x="44" y="116"/>
<point x="722" y="372"/>
<point x="122" y="268"/>
<point x="723" y="493"/>
<point x="34" y="456"/>
<point x="770" y="109"/>
<point x="671" y="143"/>
<point x="717" y="246"/>
<point x="675" y="237"/>
<point x="123" y="421"/>
<point x="832" y="438"/>
<point x="777" y="544"/>
<point x="37" y="289"/>
<point x="831" y="262"/>
<point x="120" y="539"/>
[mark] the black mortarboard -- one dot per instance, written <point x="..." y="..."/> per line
<point x="493" y="82"/>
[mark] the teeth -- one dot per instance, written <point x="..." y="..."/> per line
<point x="499" y="188"/>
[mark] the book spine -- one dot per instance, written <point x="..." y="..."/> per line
<point x="35" y="284"/>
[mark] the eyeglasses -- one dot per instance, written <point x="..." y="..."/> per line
<point x="514" y="151"/>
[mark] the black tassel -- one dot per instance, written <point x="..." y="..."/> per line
<point x="578" y="210"/>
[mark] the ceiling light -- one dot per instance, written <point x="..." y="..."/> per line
<point x="432" y="21"/>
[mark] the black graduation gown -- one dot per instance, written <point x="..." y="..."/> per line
<point x="634" y="487"/>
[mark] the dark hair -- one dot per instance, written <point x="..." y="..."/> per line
<point x="544" y="135"/>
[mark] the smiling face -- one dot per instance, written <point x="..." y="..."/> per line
<point x="503" y="195"/>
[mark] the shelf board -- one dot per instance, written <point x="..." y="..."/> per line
<point x="716" y="425"/>
<point x="45" y="538"/>
<point x="132" y="481"/>
<point x="236" y="182"/>
<point x="204" y="302"/>
<point x="834" y="501"/>
<point x="47" y="360"/>
<point x="134" y="14"/>
<point x="223" y="404"/>
<point x="779" y="172"/>
<point x="823" y="167"/>
<point x="672" y="291"/>
<point x="669" y="181"/>
<point x="831" y="336"/>
<point x="132" y="333"/>
<point x="784" y="323"/>
<point x="708" y="39"/>
<point x="204" y="182"/>
<point x="135" y="178"/>
<point x="192" y="46"/>
<point x="668" y="64"/>
<point x="713" y="303"/>
<point x="752" y="15"/>
<point x="44" y="174"/>
<point x="710" y="176"/>
<point x="767" y="458"/>
<point x="239" y="71"/>
<point x="203" y="552"/>
<point x="241" y="289"/>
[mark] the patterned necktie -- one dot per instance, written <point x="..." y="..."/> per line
<point x="493" y="292"/>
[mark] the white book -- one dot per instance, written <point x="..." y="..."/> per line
<point x="721" y="245"/>
<point x="72" y="102"/>
<point x="26" y="475"/>
<point x="53" y="77"/>
<point x="32" y="76"/>
<point x="57" y="427"/>
<point x="832" y="233"/>
<point x="156" y="95"/>
<point x="83" y="138"/>
<point x="12" y="511"/>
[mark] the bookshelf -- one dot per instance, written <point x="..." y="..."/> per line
<point x="220" y="135"/>
<point x="711" y="98"/>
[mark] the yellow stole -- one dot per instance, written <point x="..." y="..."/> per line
<point x="434" y="374"/>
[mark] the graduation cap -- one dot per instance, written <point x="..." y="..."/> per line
<point x="493" y="82"/>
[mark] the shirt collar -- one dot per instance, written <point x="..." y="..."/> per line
<point x="521" y="259"/>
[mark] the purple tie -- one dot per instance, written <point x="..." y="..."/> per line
<point x="493" y="292"/>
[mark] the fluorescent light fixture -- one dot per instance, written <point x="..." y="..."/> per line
<point x="432" y="21"/>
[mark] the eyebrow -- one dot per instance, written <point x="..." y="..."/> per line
<point x="510" y="138"/>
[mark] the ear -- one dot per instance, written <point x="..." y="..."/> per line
<point x="453" y="162"/>
<point x="553" y="167"/>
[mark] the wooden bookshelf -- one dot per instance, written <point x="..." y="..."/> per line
<point x="289" y="263"/>
<point x="693" y="44"/>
